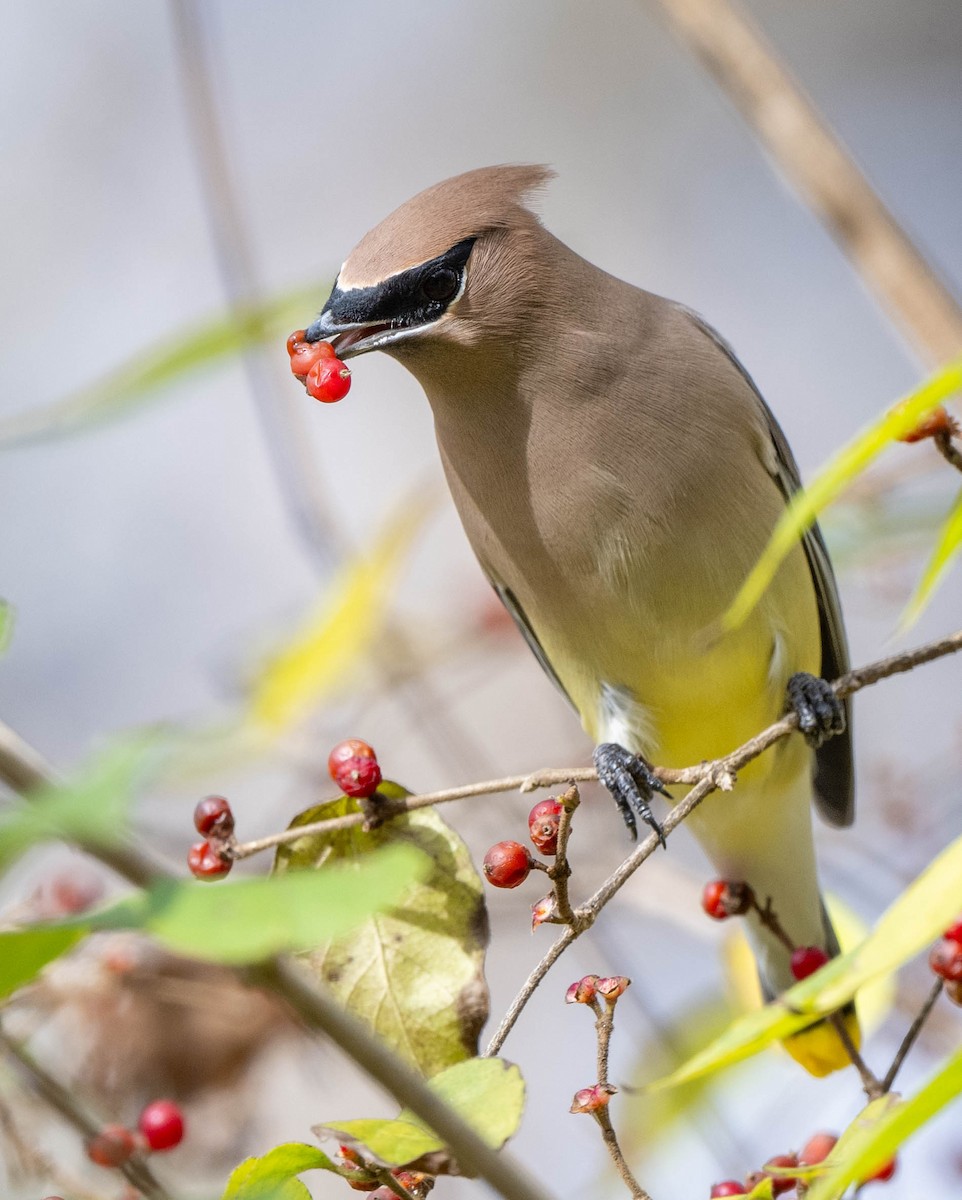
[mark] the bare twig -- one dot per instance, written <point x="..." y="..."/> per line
<point x="57" y="1096"/>
<point x="948" y="449"/>
<point x="712" y="776"/>
<point x="560" y="871"/>
<point x="870" y="1083"/>
<point x="809" y="154"/>
<point x="913" y="1032"/>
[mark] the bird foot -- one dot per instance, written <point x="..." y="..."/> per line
<point x="632" y="784"/>
<point x="821" y="715"/>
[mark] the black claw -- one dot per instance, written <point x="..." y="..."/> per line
<point x="821" y="715"/>
<point x="632" y="783"/>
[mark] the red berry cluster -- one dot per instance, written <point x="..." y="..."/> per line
<point x="353" y="767"/>
<point x="777" y="1169"/>
<point x="212" y="858"/>
<point x="507" y="864"/>
<point x="159" y="1127"/>
<point x="325" y="377"/>
<point x="946" y="961"/>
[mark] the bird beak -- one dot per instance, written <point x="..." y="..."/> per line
<point x="350" y="337"/>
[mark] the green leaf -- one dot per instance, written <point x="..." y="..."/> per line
<point x="91" y="808"/>
<point x="916" y="918"/>
<point x="413" y="973"/>
<point x="24" y="952"/>
<point x="202" y="344"/>
<point x="273" y="1175"/>
<point x="487" y="1092"/>
<point x="839" y="472"/>
<point x="882" y="1127"/>
<point x="246" y="921"/>
<point x="6" y="624"/>
<point x="947" y="547"/>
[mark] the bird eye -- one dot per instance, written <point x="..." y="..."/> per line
<point x="440" y="284"/>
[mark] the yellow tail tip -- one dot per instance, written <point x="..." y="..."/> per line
<point x="820" y="1050"/>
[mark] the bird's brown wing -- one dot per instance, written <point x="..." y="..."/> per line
<point x="508" y="599"/>
<point x="834" y="770"/>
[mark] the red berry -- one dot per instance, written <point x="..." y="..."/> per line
<point x="543" y="822"/>
<point x="206" y="863"/>
<point x="954" y="932"/>
<point x="112" y="1146"/>
<point x="507" y="864"/>
<point x="349" y="748"/>
<point x="359" y="777"/>
<point x="213" y="813"/>
<point x="726" y="898"/>
<point x="818" y="1147"/>
<point x="727" y="1187"/>
<point x="946" y="959"/>
<point x="328" y="380"/>
<point x="781" y="1183"/>
<point x="305" y="354"/>
<point x="883" y="1174"/>
<point x="806" y="960"/>
<point x="162" y="1124"/>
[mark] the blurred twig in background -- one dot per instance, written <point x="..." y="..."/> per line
<point x="822" y="171"/>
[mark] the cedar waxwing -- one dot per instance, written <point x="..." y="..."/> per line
<point x="618" y="473"/>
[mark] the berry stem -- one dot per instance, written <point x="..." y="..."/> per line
<point x="768" y="917"/>
<point x="948" y="449"/>
<point x="386" y="1179"/>
<point x="913" y="1032"/>
<point x="56" y="1095"/>
<point x="604" y="1028"/>
<point x="560" y="871"/>
<point x="870" y="1083"/>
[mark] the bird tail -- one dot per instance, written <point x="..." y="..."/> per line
<point x="764" y="836"/>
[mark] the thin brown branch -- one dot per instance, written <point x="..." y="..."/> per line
<point x="560" y="872"/>
<point x="812" y="158"/>
<point x="56" y="1095"/>
<point x="913" y="1032"/>
<point x="948" y="449"/>
<point x="714" y="775"/>
<point x="604" y="1027"/>
<point x="870" y="1083"/>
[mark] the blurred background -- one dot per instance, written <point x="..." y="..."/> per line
<point x="165" y="163"/>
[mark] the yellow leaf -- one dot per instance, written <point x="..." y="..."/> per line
<point x="803" y="508"/>
<point x="948" y="545"/>
<point x="343" y="629"/>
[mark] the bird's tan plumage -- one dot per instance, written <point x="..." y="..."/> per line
<point x="618" y="474"/>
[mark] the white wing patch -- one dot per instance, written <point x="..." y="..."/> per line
<point x="622" y="719"/>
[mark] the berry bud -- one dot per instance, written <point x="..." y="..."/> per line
<point x="543" y="910"/>
<point x="213" y="815"/>
<point x="506" y="864"/>
<point x="206" y="863"/>
<point x="727" y="1187"/>
<point x="543" y="822"/>
<point x="612" y="987"/>
<point x="806" y="960"/>
<point x="590" y="1099"/>
<point x="112" y="1146"/>
<point x="162" y="1124"/>
<point x="582" y="991"/>
<point x="724" y="898"/>
<point x="946" y="959"/>
<point x="818" y="1147"/>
